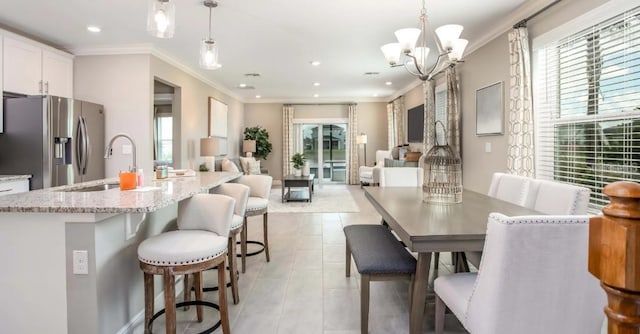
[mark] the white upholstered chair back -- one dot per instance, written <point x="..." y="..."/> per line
<point x="555" y="198"/>
<point x="533" y="278"/>
<point x="514" y="189"/>
<point x="260" y="185"/>
<point x="207" y="212"/>
<point x="401" y="177"/>
<point x="380" y="156"/>
<point x="239" y="192"/>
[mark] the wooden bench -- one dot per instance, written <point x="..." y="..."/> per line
<point x="379" y="257"/>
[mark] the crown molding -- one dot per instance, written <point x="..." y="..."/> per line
<point x="160" y="54"/>
<point x="319" y="100"/>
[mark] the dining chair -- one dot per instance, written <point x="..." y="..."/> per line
<point x="533" y="279"/>
<point x="514" y="189"/>
<point x="556" y="198"/>
<point x="401" y="177"/>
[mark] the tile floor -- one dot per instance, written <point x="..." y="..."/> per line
<point x="303" y="289"/>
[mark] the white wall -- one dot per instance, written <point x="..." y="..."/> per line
<point x="121" y="84"/>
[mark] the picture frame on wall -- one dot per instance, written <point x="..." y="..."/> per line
<point x="490" y="110"/>
<point x="217" y="118"/>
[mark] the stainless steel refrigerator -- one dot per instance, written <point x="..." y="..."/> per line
<point x="57" y="140"/>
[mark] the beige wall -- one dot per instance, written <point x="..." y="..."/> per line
<point x="121" y="84"/>
<point x="372" y="120"/>
<point x="194" y="113"/>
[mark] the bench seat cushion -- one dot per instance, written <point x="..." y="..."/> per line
<point x="376" y="251"/>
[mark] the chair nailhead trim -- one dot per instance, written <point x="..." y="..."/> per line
<point x="170" y="263"/>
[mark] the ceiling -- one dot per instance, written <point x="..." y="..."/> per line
<point x="275" y="38"/>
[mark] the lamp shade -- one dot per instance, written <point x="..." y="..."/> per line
<point x="447" y="34"/>
<point x="407" y="38"/>
<point x="213" y="146"/>
<point x="249" y="145"/>
<point x="458" y="49"/>
<point x="209" y="55"/>
<point x="161" y="18"/>
<point x="391" y="52"/>
<point x="361" y="139"/>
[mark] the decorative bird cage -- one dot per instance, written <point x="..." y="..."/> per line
<point x="442" y="174"/>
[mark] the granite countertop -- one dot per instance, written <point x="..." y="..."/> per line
<point x="13" y="177"/>
<point x="154" y="195"/>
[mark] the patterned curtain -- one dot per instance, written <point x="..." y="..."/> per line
<point x="520" y="151"/>
<point x="391" y="126"/>
<point x="398" y="111"/>
<point x="428" y="135"/>
<point x="453" y="110"/>
<point x="287" y="138"/>
<point x="352" y="165"/>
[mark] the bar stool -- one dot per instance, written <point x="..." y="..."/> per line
<point x="240" y="193"/>
<point x="258" y="204"/>
<point x="200" y="243"/>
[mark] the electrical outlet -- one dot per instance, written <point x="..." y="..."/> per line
<point x="126" y="149"/>
<point x="81" y="262"/>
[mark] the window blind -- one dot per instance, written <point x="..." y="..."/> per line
<point x="441" y="112"/>
<point x="587" y="106"/>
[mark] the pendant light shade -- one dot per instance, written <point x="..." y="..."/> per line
<point x="407" y="38"/>
<point x="161" y="18"/>
<point x="391" y="52"/>
<point x="448" y="34"/>
<point x="208" y="48"/>
<point x="458" y="49"/>
<point x="209" y="55"/>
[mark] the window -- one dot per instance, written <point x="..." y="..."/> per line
<point x="164" y="130"/>
<point x="587" y="106"/>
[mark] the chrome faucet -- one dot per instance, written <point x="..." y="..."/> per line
<point x="107" y="154"/>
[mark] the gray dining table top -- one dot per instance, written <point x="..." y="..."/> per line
<point x="439" y="227"/>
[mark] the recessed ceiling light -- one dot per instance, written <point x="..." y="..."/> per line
<point x="258" y="96"/>
<point x="388" y="83"/>
<point x="242" y="85"/>
<point x="316" y="84"/>
<point x="316" y="95"/>
<point x="375" y="95"/>
<point x="94" y="28"/>
<point x="314" y="63"/>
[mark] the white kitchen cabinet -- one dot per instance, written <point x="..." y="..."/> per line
<point x="14" y="186"/>
<point x="33" y="69"/>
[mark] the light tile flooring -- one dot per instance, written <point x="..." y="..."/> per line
<point x="303" y="289"/>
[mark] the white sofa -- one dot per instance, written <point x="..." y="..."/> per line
<point x="371" y="175"/>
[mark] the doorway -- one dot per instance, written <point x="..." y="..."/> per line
<point x="324" y="145"/>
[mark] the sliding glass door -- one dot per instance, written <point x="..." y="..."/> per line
<point x="325" y="147"/>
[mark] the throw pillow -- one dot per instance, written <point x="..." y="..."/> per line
<point x="254" y="167"/>
<point x="228" y="166"/>
<point x="413" y="156"/>
<point x="393" y="163"/>
<point x="245" y="164"/>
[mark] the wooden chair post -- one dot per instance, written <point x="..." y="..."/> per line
<point x="614" y="241"/>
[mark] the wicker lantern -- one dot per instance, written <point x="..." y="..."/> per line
<point x="442" y="175"/>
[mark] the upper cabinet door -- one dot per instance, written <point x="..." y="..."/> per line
<point x="22" y="67"/>
<point x="57" y="74"/>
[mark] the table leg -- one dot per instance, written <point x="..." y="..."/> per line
<point x="419" y="293"/>
<point x="310" y="185"/>
<point x="283" y="186"/>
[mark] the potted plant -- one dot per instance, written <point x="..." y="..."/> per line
<point x="298" y="160"/>
<point x="261" y="136"/>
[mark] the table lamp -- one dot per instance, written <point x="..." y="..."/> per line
<point x="362" y="139"/>
<point x="248" y="147"/>
<point x="211" y="147"/>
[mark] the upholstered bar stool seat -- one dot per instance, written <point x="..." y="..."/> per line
<point x="199" y="244"/>
<point x="257" y="204"/>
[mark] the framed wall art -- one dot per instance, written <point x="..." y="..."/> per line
<point x="217" y="118"/>
<point x="489" y="110"/>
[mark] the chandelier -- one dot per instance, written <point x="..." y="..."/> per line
<point x="208" y="47"/>
<point x="414" y="58"/>
<point x="161" y="18"/>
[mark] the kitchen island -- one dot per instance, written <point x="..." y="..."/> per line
<point x="42" y="231"/>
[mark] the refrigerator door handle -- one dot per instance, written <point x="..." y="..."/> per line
<point x="86" y="146"/>
<point x="78" y="152"/>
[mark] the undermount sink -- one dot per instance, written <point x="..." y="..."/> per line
<point x="100" y="187"/>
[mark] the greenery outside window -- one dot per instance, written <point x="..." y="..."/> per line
<point x="587" y="106"/>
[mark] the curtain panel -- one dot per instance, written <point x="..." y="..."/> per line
<point x="391" y="127"/>
<point x="352" y="165"/>
<point x="398" y="111"/>
<point x="520" y="151"/>
<point x="287" y="138"/>
<point x="453" y="110"/>
<point x="428" y="135"/>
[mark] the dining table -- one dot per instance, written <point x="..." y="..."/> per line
<point x="436" y="227"/>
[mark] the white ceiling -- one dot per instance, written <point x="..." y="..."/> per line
<point x="276" y="38"/>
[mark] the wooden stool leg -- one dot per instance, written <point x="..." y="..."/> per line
<point x="364" y="304"/>
<point x="265" y="221"/>
<point x="243" y="244"/>
<point x="169" y="301"/>
<point x="198" y="287"/>
<point x="233" y="264"/>
<point x="148" y="302"/>
<point x="222" y="298"/>
<point x="186" y="294"/>
<point x="440" y="310"/>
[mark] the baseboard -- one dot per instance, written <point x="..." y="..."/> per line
<point x="138" y="319"/>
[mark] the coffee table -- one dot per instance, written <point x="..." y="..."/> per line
<point x="292" y="181"/>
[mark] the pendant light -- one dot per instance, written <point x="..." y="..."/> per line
<point x="208" y="47"/>
<point x="161" y="18"/>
